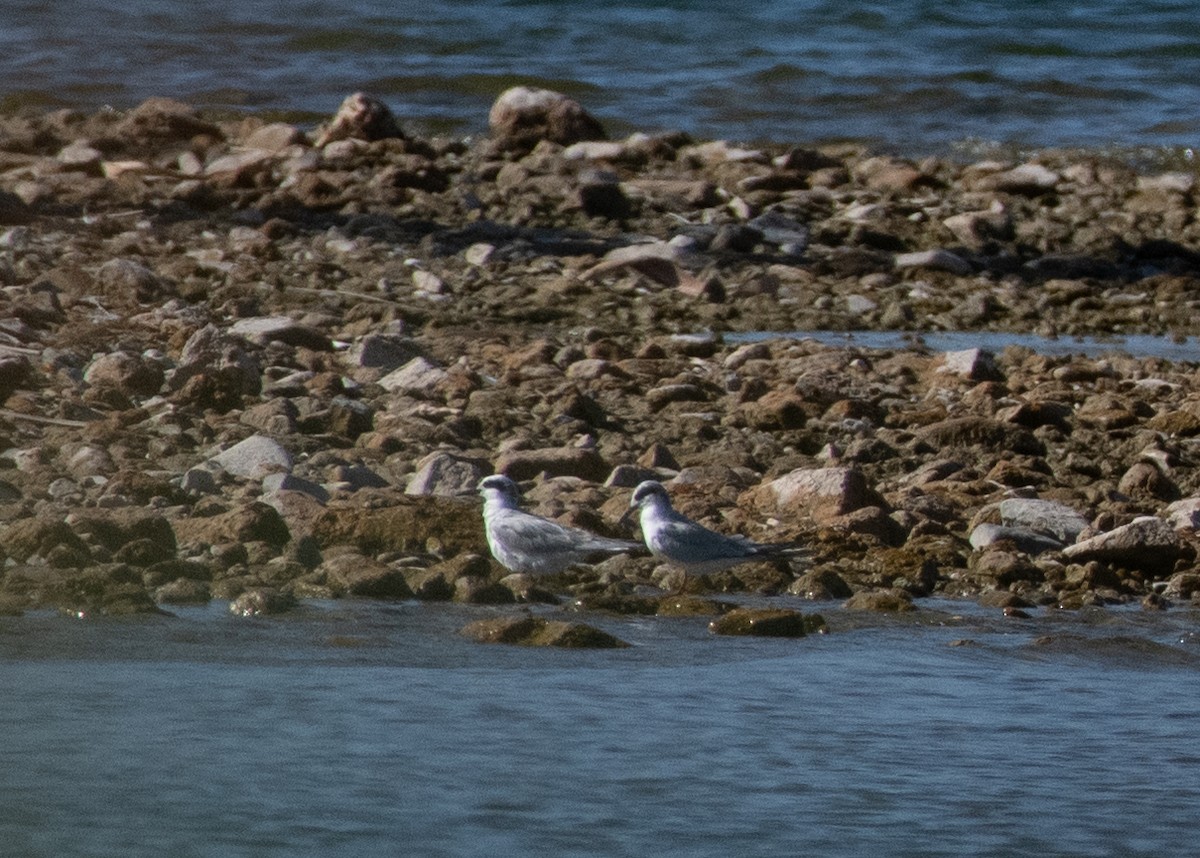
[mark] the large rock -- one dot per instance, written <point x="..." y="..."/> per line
<point x="536" y="631"/>
<point x="356" y="575"/>
<point x="448" y="526"/>
<point x="579" y="462"/>
<point x="820" y="493"/>
<point x="1048" y="518"/>
<point x="447" y="474"/>
<point x="1147" y="543"/>
<point x="971" y="431"/>
<point x="521" y="116"/>
<point x="360" y="117"/>
<point x="132" y="375"/>
<point x="765" y="622"/>
<point x="986" y="535"/>
<point x="254" y="522"/>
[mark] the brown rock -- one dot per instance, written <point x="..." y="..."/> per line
<point x="521" y="116"/>
<point x="355" y="575"/>
<point x="763" y="622"/>
<point x="556" y="461"/>
<point x="261" y="601"/>
<point x="819" y="493"/>
<point x="1145" y="480"/>
<point x="536" y="631"/>
<point x="360" y="117"/>
<point x="254" y="522"/>
<point x="133" y="375"/>
<point x="776" y="410"/>
<point x="885" y="601"/>
<point x="971" y="431"/>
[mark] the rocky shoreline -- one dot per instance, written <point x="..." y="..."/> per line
<point x="245" y="361"/>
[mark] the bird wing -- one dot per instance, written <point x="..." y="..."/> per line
<point x="536" y="535"/>
<point x="689" y="542"/>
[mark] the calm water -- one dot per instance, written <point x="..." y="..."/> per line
<point x="368" y="729"/>
<point x="911" y="74"/>
<point x="1176" y="349"/>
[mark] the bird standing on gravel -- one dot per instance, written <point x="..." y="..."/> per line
<point x="523" y="542"/>
<point x="675" y="538"/>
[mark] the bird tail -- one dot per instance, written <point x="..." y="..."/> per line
<point x="785" y="550"/>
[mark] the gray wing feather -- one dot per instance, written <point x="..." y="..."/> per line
<point x="535" y="535"/>
<point x="689" y="542"/>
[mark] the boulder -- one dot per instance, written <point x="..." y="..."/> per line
<point x="535" y="631"/>
<point x="521" y="116"/>
<point x="1048" y="518"/>
<point x="822" y="494"/>
<point x="765" y="622"/>
<point x="1147" y="543"/>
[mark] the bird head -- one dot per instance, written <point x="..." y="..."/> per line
<point x="645" y="492"/>
<point x="642" y="495"/>
<point x="499" y="486"/>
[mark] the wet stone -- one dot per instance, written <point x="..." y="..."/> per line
<point x="765" y="622"/>
<point x="536" y="631"/>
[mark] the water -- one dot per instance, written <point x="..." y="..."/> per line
<point x="371" y="729"/>
<point x="913" y="75"/>
<point x="1176" y="349"/>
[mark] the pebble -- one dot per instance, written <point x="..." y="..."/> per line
<point x="521" y="302"/>
<point x="254" y="458"/>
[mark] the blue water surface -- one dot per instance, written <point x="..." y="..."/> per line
<point x="914" y="75"/>
<point x="377" y="730"/>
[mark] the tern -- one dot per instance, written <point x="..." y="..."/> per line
<point x="676" y="539"/>
<point x="523" y="542"/>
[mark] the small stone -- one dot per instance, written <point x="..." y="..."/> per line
<point x="1185" y="514"/>
<point x="261" y="601"/>
<point x="937" y="259"/>
<point x="383" y="351"/>
<point x="275" y="137"/>
<point x="1145" y="480"/>
<point x="1029" y="180"/>
<point x="882" y="601"/>
<point x="254" y="457"/>
<point x="972" y="365"/>
<point x="80" y="156"/>
<point x="975" y="229"/>
<point x="419" y="376"/>
<point x="133" y="375"/>
<point x="199" y="481"/>
<point x="479" y="253"/>
<point x="986" y="535"/>
<point x="267" y="329"/>
<point x="281" y="482"/>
